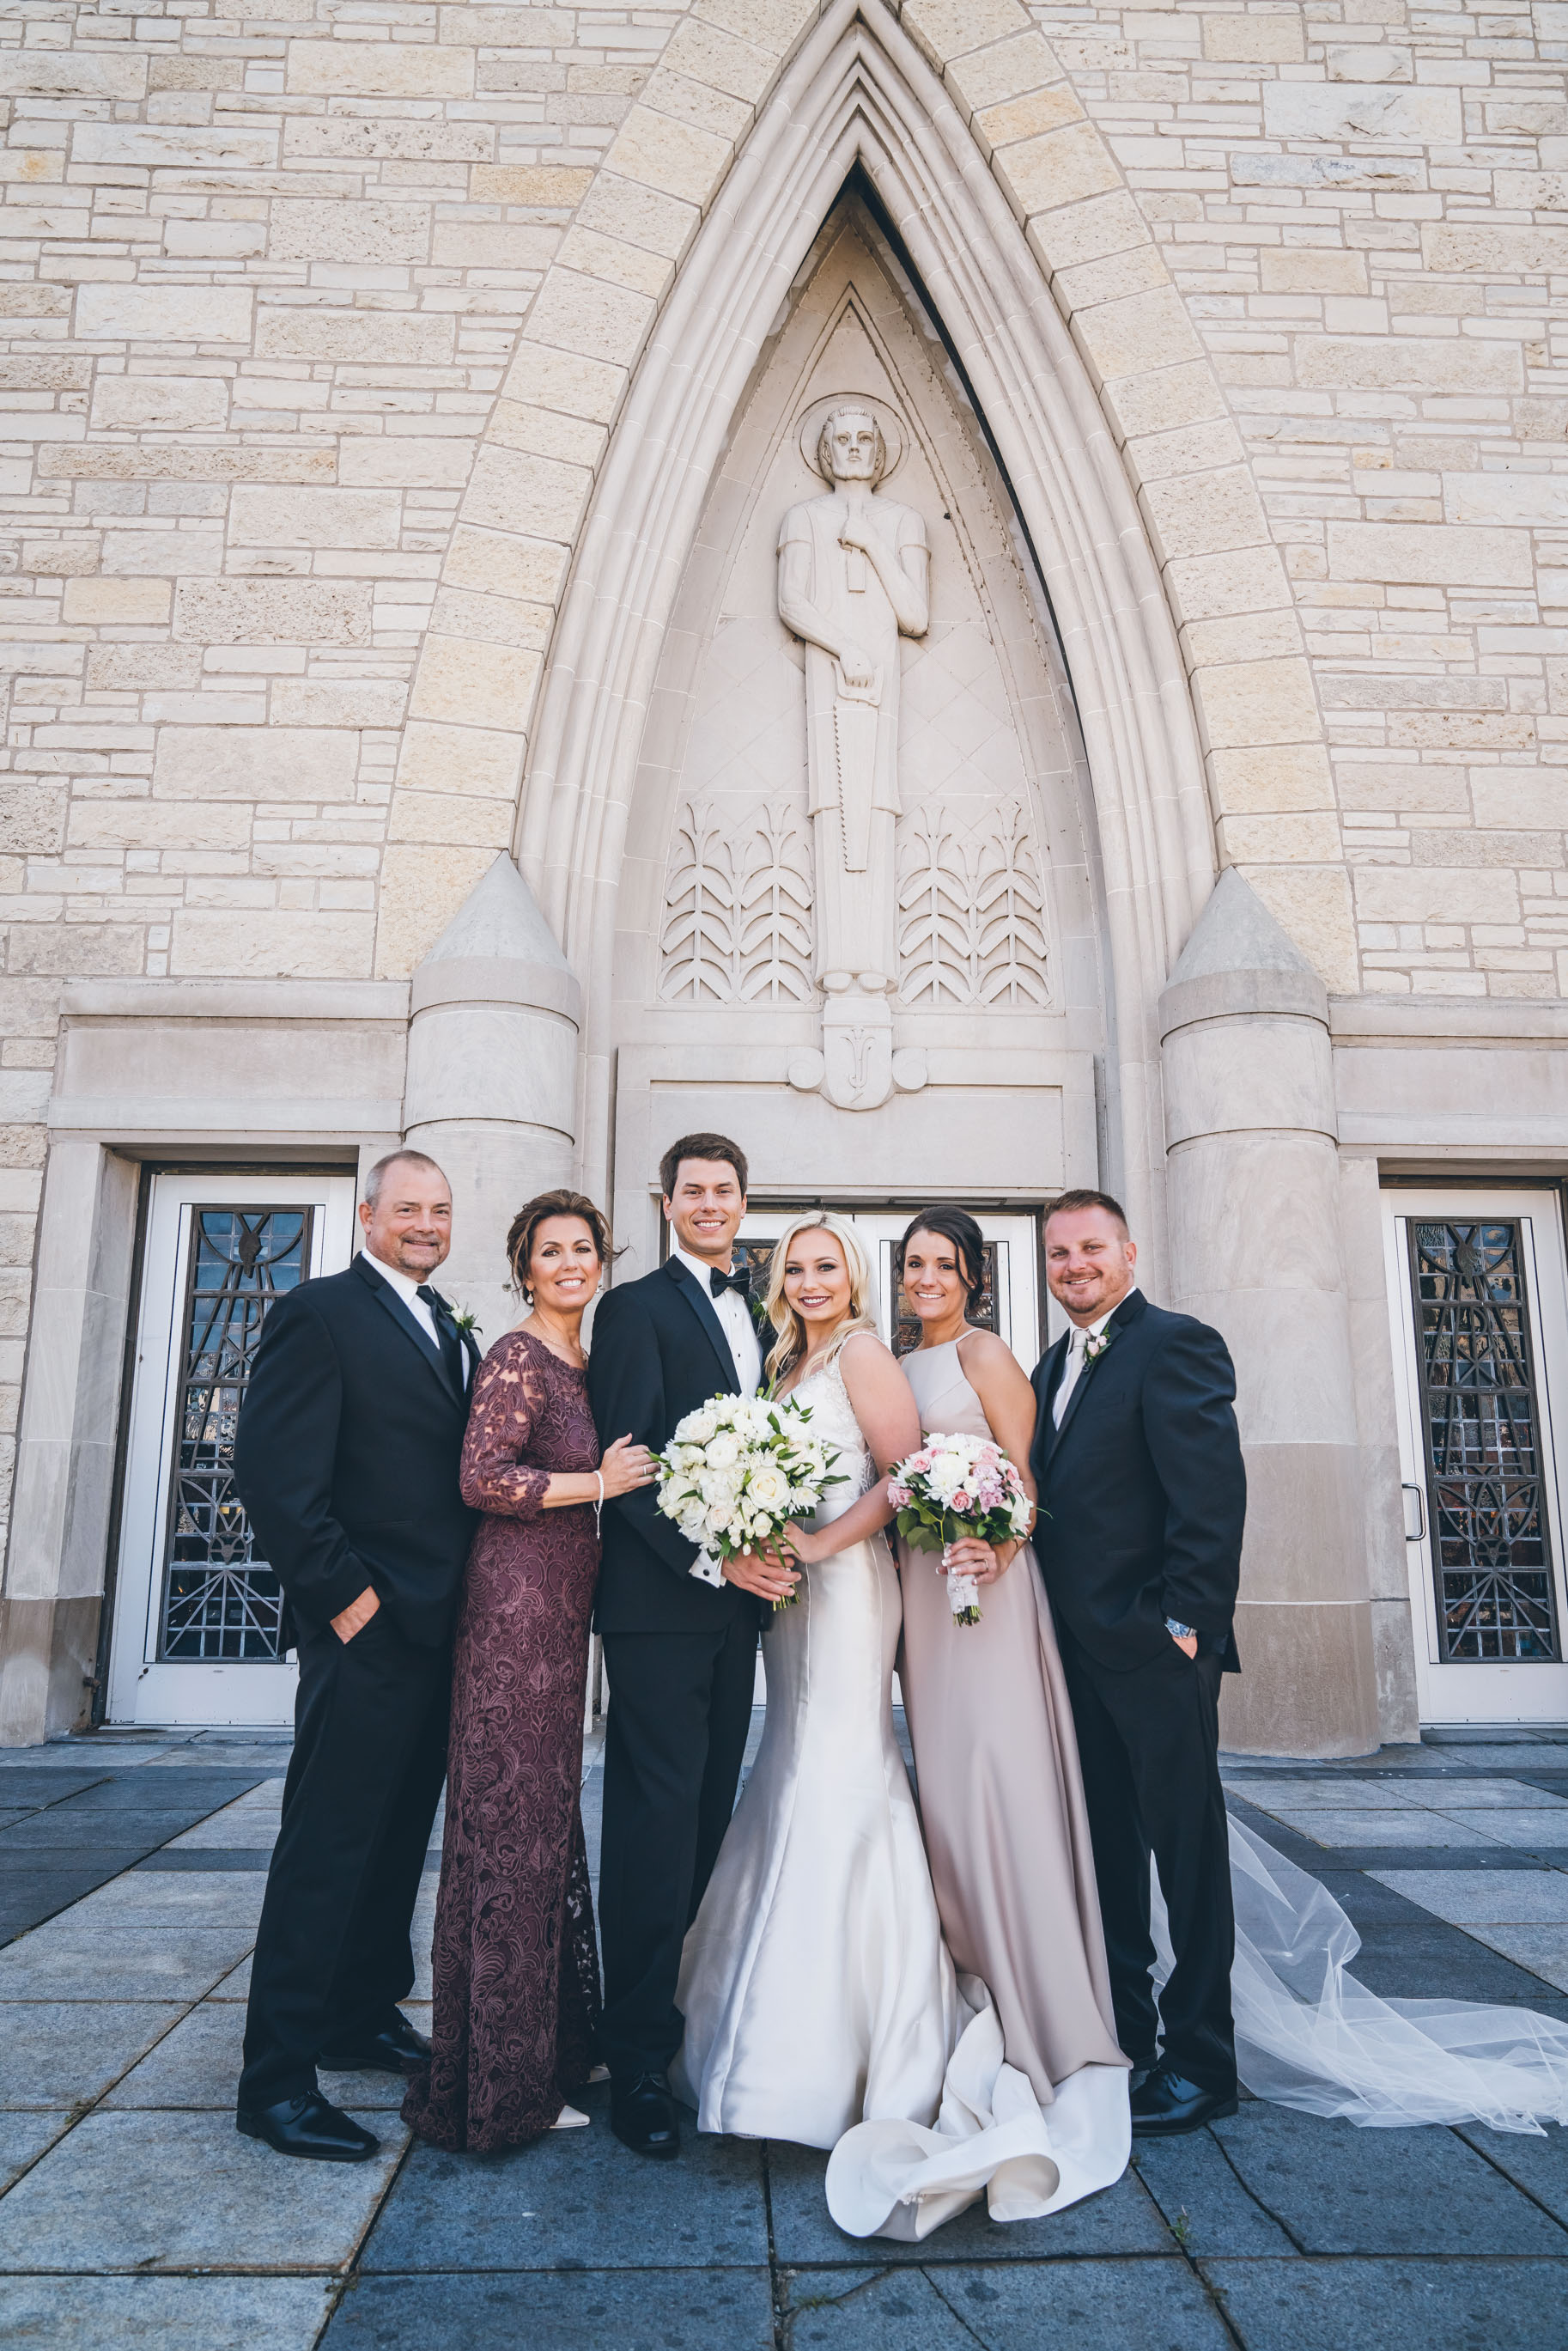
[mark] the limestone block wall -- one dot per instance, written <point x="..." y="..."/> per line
<point x="315" y="321"/>
<point x="1363" y="208"/>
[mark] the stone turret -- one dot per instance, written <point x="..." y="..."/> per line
<point x="1256" y="1250"/>
<point x="492" y="1077"/>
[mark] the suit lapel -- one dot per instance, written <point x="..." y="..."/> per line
<point x="1051" y="1368"/>
<point x="689" y="1289"/>
<point x="468" y="1347"/>
<point x="387" y="1299"/>
<point x="1118" y="1322"/>
<point x="1074" y="1400"/>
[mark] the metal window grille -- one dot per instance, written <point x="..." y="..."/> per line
<point x="219" y="1601"/>
<point x="1480" y="1411"/>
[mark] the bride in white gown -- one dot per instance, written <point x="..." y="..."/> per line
<point x="817" y="1993"/>
<point x="815" y="1984"/>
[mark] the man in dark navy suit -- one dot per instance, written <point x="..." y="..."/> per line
<point x="346" y="1457"/>
<point x="1143" y="1497"/>
<point x="679" y="1631"/>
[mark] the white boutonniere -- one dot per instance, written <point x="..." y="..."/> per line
<point x="1094" y="1348"/>
<point x="466" y="1323"/>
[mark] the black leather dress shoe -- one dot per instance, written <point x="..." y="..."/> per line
<point x="642" y="2116"/>
<point x="395" y="2049"/>
<point x="1168" y="2104"/>
<point x="312" y="2126"/>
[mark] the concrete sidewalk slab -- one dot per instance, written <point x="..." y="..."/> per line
<point x="184" y="2191"/>
<point x="24" y="2135"/>
<point x="576" y="2200"/>
<point x="583" y="2310"/>
<point x="1093" y="2306"/>
<point x="65" y="1959"/>
<point x="1338" y="2189"/>
<point x="153" y="2313"/>
<point x="1448" y="2306"/>
<point x="63" y="2053"/>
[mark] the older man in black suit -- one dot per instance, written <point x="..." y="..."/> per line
<point x="1143" y="1496"/>
<point x="346" y="1459"/>
<point x="680" y="1632"/>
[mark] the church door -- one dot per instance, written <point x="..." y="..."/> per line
<point x="197" y="1612"/>
<point x="1477" y="1284"/>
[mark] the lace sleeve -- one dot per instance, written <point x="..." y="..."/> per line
<point x="508" y="1399"/>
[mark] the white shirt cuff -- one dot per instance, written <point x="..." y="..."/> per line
<point x="707" y="1569"/>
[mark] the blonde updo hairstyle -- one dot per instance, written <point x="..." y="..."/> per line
<point x="789" y="1346"/>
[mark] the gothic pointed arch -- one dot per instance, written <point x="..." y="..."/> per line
<point x="867" y="89"/>
<point x="859" y="93"/>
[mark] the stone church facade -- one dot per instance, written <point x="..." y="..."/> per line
<point x="413" y="731"/>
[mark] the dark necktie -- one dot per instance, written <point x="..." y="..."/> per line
<point x="451" y="1345"/>
<point x="741" y="1279"/>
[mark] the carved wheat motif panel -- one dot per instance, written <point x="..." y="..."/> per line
<point x="737" y="926"/>
<point x="971" y="910"/>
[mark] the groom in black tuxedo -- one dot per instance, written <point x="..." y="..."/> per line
<point x="347" y="1459"/>
<point x="680" y="1632"/>
<point x="1143" y="1496"/>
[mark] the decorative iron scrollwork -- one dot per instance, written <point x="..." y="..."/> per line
<point x="219" y="1601"/>
<point x="1481" y="1408"/>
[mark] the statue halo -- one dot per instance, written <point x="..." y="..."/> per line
<point x="808" y="431"/>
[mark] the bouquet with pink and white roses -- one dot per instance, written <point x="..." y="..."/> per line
<point x="954" y="1487"/>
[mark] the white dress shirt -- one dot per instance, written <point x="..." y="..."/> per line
<point x="408" y="1289"/>
<point x="1076" y="1363"/>
<point x="746" y="1353"/>
<point x="734" y="1320"/>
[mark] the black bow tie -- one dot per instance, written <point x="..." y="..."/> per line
<point x="741" y="1279"/>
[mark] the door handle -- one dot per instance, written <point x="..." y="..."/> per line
<point x="1420" y="1533"/>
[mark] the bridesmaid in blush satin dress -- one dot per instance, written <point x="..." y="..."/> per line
<point x="1002" y="1797"/>
<point x="515" y="1965"/>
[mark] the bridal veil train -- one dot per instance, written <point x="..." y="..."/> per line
<point x="1309" y="2035"/>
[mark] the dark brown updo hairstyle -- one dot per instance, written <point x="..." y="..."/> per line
<point x="529" y="1219"/>
<point x="955" y="1225"/>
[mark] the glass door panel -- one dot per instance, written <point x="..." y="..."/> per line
<point x="1480" y="1331"/>
<point x="198" y="1632"/>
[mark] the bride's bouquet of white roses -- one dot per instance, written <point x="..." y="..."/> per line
<point x="954" y="1487"/>
<point x="737" y="1469"/>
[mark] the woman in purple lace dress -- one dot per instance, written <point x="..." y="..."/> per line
<point x="515" y="1963"/>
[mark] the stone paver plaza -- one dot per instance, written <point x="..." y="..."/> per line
<point x="133" y="2214"/>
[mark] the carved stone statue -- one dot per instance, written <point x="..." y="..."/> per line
<point x="852" y="580"/>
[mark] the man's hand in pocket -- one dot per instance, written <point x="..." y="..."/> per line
<point x="358" y="1614"/>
